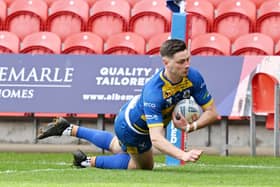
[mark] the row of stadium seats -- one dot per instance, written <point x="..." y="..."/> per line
<point x="90" y="2"/>
<point x="248" y="44"/>
<point x="216" y="3"/>
<point x="80" y="43"/>
<point x="103" y="17"/>
<point x="234" y="18"/>
<point x="131" y="43"/>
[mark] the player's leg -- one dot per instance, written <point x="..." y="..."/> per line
<point x="117" y="161"/>
<point x="142" y="161"/>
<point x="100" y="138"/>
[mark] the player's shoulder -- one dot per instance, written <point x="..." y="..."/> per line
<point x="154" y="80"/>
<point x="194" y="74"/>
<point x="153" y="87"/>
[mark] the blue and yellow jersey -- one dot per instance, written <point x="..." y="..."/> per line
<point x="159" y="96"/>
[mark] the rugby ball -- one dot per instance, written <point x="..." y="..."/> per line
<point x="188" y="108"/>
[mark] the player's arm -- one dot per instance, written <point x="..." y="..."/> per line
<point x="208" y="116"/>
<point x="205" y="100"/>
<point x="163" y="145"/>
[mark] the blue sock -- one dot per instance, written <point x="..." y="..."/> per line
<point x="117" y="161"/>
<point x="101" y="139"/>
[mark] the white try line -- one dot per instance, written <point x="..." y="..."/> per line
<point x="157" y="165"/>
<point x="34" y="170"/>
<point x="37" y="163"/>
<point x="238" y="166"/>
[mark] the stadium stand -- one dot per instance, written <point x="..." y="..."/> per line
<point x="211" y="44"/>
<point x="41" y="43"/>
<point x="253" y="44"/>
<point x="150" y="17"/>
<point x="109" y="13"/>
<point x="201" y="15"/>
<point x="154" y="43"/>
<point x="235" y="18"/>
<point x="125" y="43"/>
<point x="9" y="42"/>
<point x="67" y="17"/>
<point x="90" y="2"/>
<point x="269" y="19"/>
<point x="3" y="14"/>
<point x="83" y="43"/>
<point x="263" y="93"/>
<point x="26" y="17"/>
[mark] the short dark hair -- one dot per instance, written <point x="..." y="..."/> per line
<point x="172" y="46"/>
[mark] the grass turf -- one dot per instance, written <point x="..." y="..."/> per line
<point x="35" y="169"/>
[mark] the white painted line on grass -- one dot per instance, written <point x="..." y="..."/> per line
<point x="239" y="166"/>
<point x="33" y="170"/>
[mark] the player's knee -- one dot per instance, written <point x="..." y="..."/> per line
<point x="133" y="164"/>
<point x="115" y="146"/>
<point x="149" y="166"/>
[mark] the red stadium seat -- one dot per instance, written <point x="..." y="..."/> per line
<point x="269" y="19"/>
<point x="9" y="42"/>
<point x="26" y="17"/>
<point x="201" y="14"/>
<point x="125" y="43"/>
<point x="277" y="48"/>
<point x="41" y="43"/>
<point x="67" y="17"/>
<point x="132" y="2"/>
<point x="210" y="44"/>
<point x="3" y="14"/>
<point x="215" y="3"/>
<point x="258" y="2"/>
<point x="49" y="2"/>
<point x="149" y="18"/>
<point x="253" y="44"/>
<point x="235" y="18"/>
<point x="113" y="13"/>
<point x="83" y="43"/>
<point x="153" y="45"/>
<point x="91" y="2"/>
<point x="263" y="95"/>
<point x="8" y="2"/>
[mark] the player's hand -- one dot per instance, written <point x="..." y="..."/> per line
<point x="179" y="121"/>
<point x="192" y="155"/>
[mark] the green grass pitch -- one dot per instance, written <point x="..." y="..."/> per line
<point x="54" y="169"/>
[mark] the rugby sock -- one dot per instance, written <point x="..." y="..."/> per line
<point x="100" y="138"/>
<point x="87" y="162"/>
<point x="68" y="130"/>
<point x="117" y="161"/>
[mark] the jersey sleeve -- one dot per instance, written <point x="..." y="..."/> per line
<point x="153" y="109"/>
<point x="200" y="92"/>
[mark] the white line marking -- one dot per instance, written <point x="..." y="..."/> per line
<point x="33" y="170"/>
<point x="239" y="166"/>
